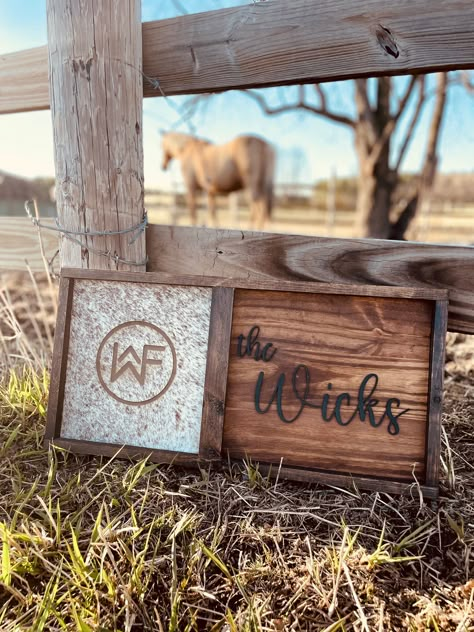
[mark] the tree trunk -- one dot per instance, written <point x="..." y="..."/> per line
<point x="95" y="53"/>
<point x="374" y="202"/>
<point x="376" y="179"/>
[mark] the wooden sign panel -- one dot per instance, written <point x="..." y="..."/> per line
<point x="315" y="382"/>
<point x="131" y="368"/>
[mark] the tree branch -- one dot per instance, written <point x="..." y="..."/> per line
<point x="322" y="95"/>
<point x="392" y="122"/>
<point x="365" y="114"/>
<point x="425" y="181"/>
<point x="404" y="99"/>
<point x="362" y="101"/>
<point x="431" y="158"/>
<point x="467" y="82"/>
<point x="179" y="6"/>
<point x="299" y="105"/>
<point x="414" y="120"/>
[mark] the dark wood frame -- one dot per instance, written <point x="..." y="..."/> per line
<point x="216" y="374"/>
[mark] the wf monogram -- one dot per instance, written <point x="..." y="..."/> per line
<point x="142" y="362"/>
<point x="142" y="352"/>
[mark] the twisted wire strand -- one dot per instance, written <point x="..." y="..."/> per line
<point x="71" y="235"/>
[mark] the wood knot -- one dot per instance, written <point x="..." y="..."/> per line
<point x="387" y="41"/>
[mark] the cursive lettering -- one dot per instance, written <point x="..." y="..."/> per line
<point x="252" y="346"/>
<point x="300" y="394"/>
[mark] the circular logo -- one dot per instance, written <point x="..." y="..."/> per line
<point x="136" y="363"/>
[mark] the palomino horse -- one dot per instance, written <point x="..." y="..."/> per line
<point x="247" y="162"/>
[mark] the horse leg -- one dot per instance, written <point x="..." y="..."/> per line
<point x="257" y="210"/>
<point x="191" y="196"/>
<point x="211" y="209"/>
<point x="260" y="214"/>
<point x="268" y="205"/>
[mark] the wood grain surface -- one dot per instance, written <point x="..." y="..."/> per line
<point x="19" y="244"/>
<point x="340" y="339"/>
<point x="259" y="284"/>
<point x="215" y="386"/>
<point x="96" y="106"/>
<point x="24" y="81"/>
<point x="438" y="350"/>
<point x="59" y="360"/>
<point x="343" y="480"/>
<point x="252" y="256"/>
<point x="269" y="43"/>
<point x="133" y="452"/>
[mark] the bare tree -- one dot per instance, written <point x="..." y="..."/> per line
<point x="374" y="125"/>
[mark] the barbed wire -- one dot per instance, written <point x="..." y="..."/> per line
<point x="72" y="235"/>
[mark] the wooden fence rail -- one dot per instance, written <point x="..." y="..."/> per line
<point x="250" y="255"/>
<point x="254" y="256"/>
<point x="274" y="43"/>
<point x="20" y="246"/>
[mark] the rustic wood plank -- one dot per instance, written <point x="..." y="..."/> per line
<point x="216" y="373"/>
<point x="270" y="43"/>
<point x="24" y="81"/>
<point x="96" y="101"/>
<point x="438" y="347"/>
<point x="340" y="480"/>
<point x="338" y="342"/>
<point x="19" y="244"/>
<point x="265" y="256"/>
<point x="274" y="42"/>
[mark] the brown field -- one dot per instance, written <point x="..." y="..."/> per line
<point x="446" y="222"/>
<point x="108" y="544"/>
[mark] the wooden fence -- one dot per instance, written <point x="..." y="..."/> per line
<point x="95" y="83"/>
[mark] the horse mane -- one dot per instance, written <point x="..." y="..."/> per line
<point x="180" y="139"/>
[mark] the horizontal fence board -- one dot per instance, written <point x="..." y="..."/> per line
<point x="252" y="256"/>
<point x="24" y="81"/>
<point x="19" y="244"/>
<point x="295" y="41"/>
<point x="276" y="42"/>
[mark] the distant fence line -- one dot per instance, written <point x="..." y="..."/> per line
<point x="441" y="222"/>
<point x="297" y="210"/>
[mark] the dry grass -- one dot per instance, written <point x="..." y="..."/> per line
<point x="99" y="544"/>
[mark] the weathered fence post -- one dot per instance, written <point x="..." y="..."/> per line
<point x="96" y="92"/>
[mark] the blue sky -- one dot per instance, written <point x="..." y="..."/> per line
<point x="309" y="147"/>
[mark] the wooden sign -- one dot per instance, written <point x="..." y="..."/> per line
<point x="332" y="383"/>
<point x="134" y="362"/>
